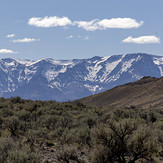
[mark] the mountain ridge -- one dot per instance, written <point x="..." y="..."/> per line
<point x="63" y="80"/>
<point x="144" y="93"/>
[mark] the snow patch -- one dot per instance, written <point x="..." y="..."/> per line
<point x="126" y="65"/>
<point x="109" y="68"/>
<point x="92" y="88"/>
<point x="25" y="62"/>
<point x="92" y="75"/>
<point x="51" y="74"/>
<point x="159" y="63"/>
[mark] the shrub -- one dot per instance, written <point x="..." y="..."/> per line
<point x="6" y="144"/>
<point x="123" y="142"/>
<point x="13" y="124"/>
<point x="67" y="154"/>
<point x="22" y="156"/>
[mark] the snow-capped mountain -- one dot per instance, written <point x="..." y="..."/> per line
<point x="63" y="80"/>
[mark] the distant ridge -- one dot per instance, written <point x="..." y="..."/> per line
<point x="144" y="93"/>
<point x="64" y="80"/>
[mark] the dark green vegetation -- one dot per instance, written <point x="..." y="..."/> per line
<point x="37" y="131"/>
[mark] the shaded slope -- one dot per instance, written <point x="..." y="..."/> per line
<point x="145" y="93"/>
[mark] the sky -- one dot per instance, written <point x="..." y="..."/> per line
<point x="73" y="29"/>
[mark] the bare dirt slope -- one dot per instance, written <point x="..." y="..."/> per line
<point x="145" y="93"/>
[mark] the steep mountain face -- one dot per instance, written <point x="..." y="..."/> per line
<point x="63" y="80"/>
<point x="144" y="93"/>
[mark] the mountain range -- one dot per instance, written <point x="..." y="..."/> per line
<point x="64" y="80"/>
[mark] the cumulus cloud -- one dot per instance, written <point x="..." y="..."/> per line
<point x="93" y="25"/>
<point x="142" y="40"/>
<point x="6" y="51"/>
<point x="47" y="22"/>
<point x="69" y="37"/>
<point x="25" y="40"/>
<point x="88" y="25"/>
<point x="10" y="35"/>
<point x="123" y="23"/>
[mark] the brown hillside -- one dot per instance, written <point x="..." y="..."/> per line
<point x="145" y="93"/>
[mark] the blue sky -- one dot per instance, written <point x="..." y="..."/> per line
<point x="68" y="29"/>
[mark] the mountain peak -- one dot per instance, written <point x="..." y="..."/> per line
<point x="73" y="79"/>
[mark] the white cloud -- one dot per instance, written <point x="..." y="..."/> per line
<point x="47" y="22"/>
<point x="93" y="25"/>
<point x="25" y="40"/>
<point x="69" y="37"/>
<point x="10" y="35"/>
<point x="88" y="25"/>
<point x="124" y="23"/>
<point x="142" y="40"/>
<point x="6" y="51"/>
